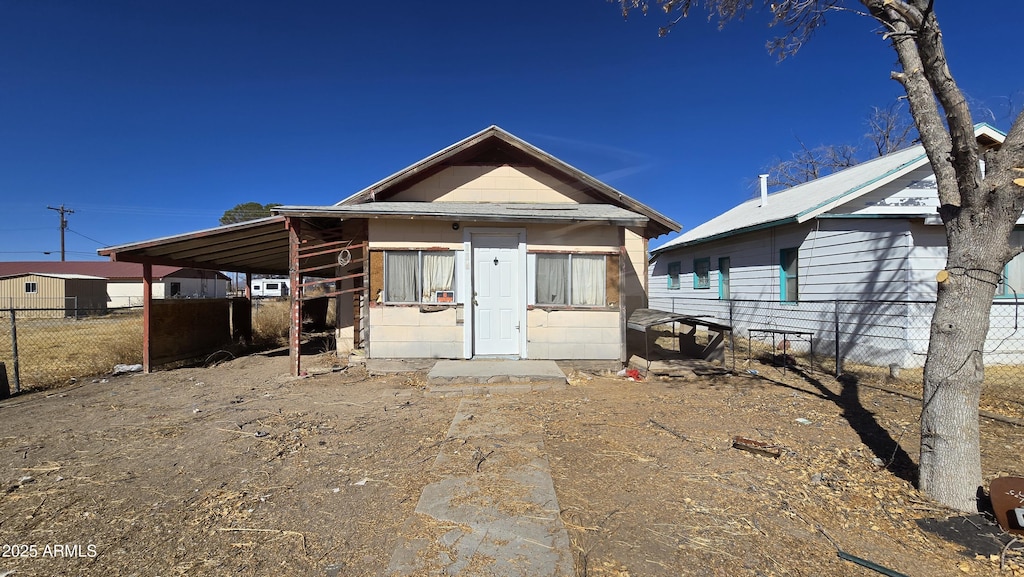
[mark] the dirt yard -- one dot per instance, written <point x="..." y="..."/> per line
<point x="241" y="470"/>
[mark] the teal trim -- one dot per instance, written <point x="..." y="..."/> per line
<point x="674" y="270"/>
<point x="843" y="195"/>
<point x="784" y="256"/>
<point x="724" y="278"/>
<point x="989" y="126"/>
<point x="702" y="281"/>
<point x="827" y="215"/>
<point x="751" y="228"/>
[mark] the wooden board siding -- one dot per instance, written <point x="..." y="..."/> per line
<point x="188" y="328"/>
<point x="495" y="183"/>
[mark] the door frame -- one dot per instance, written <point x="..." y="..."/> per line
<point x="468" y="340"/>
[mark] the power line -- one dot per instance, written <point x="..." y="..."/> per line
<point x="87" y="238"/>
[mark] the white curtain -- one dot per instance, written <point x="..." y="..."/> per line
<point x="552" y="279"/>
<point x="438" y="273"/>
<point x="588" y="273"/>
<point x="401" y="277"/>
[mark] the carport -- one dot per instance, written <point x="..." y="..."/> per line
<point x="330" y="249"/>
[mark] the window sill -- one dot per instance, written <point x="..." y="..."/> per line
<point x="569" y="308"/>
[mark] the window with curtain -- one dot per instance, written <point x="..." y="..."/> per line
<point x="571" y="279"/>
<point x="419" y="276"/>
<point x="724" y="290"/>
<point x="789" y="283"/>
<point x="674" y="269"/>
<point x="702" y="273"/>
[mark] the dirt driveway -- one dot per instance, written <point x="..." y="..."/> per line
<point x="241" y="470"/>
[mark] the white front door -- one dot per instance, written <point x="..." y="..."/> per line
<point x="496" y="302"/>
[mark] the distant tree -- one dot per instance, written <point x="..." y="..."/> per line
<point x="807" y="164"/>
<point x="889" y="129"/>
<point x="978" y="208"/>
<point x="246" y="211"/>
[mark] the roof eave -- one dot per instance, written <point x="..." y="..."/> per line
<point x="727" y="234"/>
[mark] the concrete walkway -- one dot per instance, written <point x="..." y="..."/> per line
<point x="511" y="376"/>
<point x="494" y="511"/>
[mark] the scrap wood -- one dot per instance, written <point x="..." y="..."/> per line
<point x="756" y="447"/>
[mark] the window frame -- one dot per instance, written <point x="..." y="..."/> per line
<point x="1004" y="290"/>
<point x="569" y="288"/>
<point x="674" y="278"/>
<point x="785" y="255"/>
<point x="34" y="287"/>
<point x="419" y="277"/>
<point x="724" y="278"/>
<point x="698" y="282"/>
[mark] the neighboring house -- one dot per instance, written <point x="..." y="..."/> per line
<point x="494" y="248"/>
<point x="53" y="295"/>
<point x="124" y="279"/>
<point x="867" y="233"/>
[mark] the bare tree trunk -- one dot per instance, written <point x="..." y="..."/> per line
<point x="950" y="470"/>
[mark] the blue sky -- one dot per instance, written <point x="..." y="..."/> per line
<point x="152" y="118"/>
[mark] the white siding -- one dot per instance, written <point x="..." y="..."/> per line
<point x="839" y="259"/>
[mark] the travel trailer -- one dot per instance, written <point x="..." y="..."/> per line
<point x="269" y="287"/>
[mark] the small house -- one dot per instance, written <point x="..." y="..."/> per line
<point x="489" y="247"/>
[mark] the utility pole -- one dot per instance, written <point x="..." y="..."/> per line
<point x="63" y="225"/>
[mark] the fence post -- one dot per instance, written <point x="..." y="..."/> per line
<point x="14" y="352"/>
<point x="732" y="336"/>
<point x="839" y="360"/>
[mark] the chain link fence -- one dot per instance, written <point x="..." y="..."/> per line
<point x="873" y="339"/>
<point x="45" y="347"/>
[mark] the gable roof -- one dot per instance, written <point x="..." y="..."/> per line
<point x="96" y="269"/>
<point x="494" y="145"/>
<point x="53" y="275"/>
<point x="811" y="199"/>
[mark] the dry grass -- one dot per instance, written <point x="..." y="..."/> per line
<point x="270" y="322"/>
<point x="53" y="351"/>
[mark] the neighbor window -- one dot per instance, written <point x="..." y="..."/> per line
<point x="724" y="292"/>
<point x="702" y="273"/>
<point x="1011" y="284"/>
<point x="674" y="268"/>
<point x="418" y="276"/>
<point x="175" y="289"/>
<point x="30" y="287"/>
<point x="789" y="284"/>
<point x="571" y="279"/>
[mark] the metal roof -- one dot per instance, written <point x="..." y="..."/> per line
<point x="812" y="199"/>
<point x="476" y="211"/>
<point x="258" y="246"/>
<point x="84" y="269"/>
<point x="52" y="275"/>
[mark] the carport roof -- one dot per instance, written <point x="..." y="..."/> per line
<point x="257" y="246"/>
<point x="562" y="213"/>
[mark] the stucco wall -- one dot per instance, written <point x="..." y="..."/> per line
<point x="578" y="335"/>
